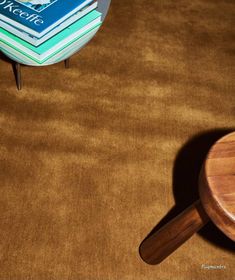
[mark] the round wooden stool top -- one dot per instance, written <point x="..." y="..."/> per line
<point x="217" y="184"/>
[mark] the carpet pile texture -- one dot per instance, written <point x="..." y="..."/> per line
<point x="93" y="157"/>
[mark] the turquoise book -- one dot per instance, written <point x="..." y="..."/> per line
<point x="57" y="42"/>
<point x="37" y="17"/>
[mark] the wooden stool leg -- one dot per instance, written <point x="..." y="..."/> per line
<point x="167" y="239"/>
<point x="66" y="63"/>
<point x="18" y="76"/>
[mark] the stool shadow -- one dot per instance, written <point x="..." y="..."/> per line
<point x="186" y="170"/>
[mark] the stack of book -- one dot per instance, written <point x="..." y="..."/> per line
<point x="38" y="32"/>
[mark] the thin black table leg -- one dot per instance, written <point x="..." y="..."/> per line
<point x="18" y="76"/>
<point x="66" y="63"/>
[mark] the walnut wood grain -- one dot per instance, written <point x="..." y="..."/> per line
<point x="217" y="185"/>
<point x="162" y="243"/>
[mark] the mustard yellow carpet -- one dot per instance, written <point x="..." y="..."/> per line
<point x="93" y="157"/>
